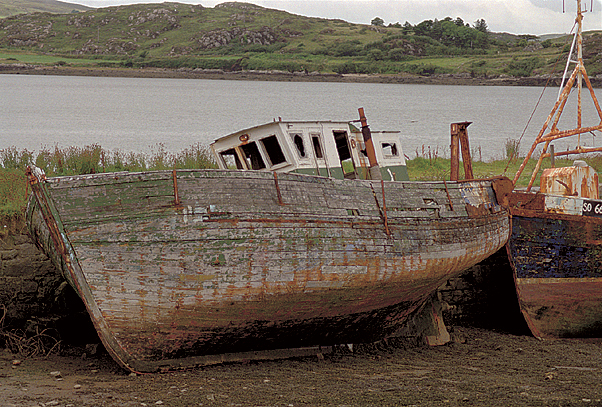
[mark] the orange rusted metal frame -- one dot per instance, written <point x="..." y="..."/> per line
<point x="578" y="74"/>
<point x="580" y="150"/>
<point x="459" y="140"/>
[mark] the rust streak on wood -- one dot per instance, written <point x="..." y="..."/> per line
<point x="278" y="189"/>
<point x="382" y="184"/>
<point x="176" y="194"/>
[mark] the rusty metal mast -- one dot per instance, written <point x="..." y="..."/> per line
<point x="579" y="75"/>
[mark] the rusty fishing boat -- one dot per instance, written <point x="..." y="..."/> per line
<point x="317" y="238"/>
<point x="556" y="244"/>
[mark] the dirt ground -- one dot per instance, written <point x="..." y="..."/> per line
<point x="478" y="368"/>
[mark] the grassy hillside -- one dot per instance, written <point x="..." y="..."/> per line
<point x="12" y="7"/>
<point x="237" y="36"/>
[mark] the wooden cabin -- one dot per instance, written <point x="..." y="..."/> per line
<point x="325" y="148"/>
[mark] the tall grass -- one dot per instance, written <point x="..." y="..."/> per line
<point x="93" y="159"/>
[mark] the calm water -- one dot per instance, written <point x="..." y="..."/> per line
<point x="136" y="114"/>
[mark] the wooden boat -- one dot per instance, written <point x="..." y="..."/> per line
<point x="556" y="242"/>
<point x="190" y="267"/>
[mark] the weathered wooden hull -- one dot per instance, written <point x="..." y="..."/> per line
<point x="557" y="260"/>
<point x="177" y="268"/>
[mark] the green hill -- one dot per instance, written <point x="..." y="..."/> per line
<point x="243" y="36"/>
<point x="12" y="7"/>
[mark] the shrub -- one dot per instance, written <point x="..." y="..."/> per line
<point x="523" y="67"/>
<point x="398" y="54"/>
<point x="353" y="67"/>
<point x="424" y="69"/>
<point x="376" y="55"/>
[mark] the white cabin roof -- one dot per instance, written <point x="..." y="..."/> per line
<point x="328" y="148"/>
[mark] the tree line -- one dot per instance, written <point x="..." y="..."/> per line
<point x="449" y="32"/>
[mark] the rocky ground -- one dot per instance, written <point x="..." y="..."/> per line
<point x="479" y="367"/>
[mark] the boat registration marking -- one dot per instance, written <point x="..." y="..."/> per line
<point x="592" y="208"/>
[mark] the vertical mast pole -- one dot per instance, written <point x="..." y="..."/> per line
<point x="374" y="169"/>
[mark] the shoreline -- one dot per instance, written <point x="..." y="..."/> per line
<point x="188" y="73"/>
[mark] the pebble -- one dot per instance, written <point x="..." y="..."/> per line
<point x="16" y="362"/>
<point x="77" y="386"/>
<point x="56" y="374"/>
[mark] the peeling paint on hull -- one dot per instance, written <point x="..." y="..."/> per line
<point x="177" y="270"/>
<point x="558" y="268"/>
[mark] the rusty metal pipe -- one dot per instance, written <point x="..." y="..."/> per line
<point x="368" y="139"/>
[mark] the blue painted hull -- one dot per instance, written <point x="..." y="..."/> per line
<point x="556" y="247"/>
<point x="557" y="260"/>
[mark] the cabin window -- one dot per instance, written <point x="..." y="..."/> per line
<point x="272" y="147"/>
<point x="298" y="141"/>
<point x="340" y="138"/>
<point x="389" y="149"/>
<point x="230" y="159"/>
<point x="317" y="146"/>
<point x="252" y="156"/>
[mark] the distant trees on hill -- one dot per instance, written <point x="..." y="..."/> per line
<point x="450" y="32"/>
<point x="377" y="21"/>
